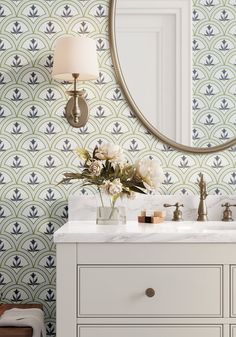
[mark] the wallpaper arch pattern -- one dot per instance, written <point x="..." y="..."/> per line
<point x="214" y="62"/>
<point x="36" y="143"/>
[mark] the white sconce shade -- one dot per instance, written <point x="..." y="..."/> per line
<point x="75" y="55"/>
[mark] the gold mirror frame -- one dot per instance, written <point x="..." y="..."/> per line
<point x="134" y="107"/>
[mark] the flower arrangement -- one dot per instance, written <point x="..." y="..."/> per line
<point x="107" y="169"/>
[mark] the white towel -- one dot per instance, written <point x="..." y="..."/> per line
<point x="25" y="317"/>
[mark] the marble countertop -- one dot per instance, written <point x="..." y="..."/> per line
<point x="133" y="232"/>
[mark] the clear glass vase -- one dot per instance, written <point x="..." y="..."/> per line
<point x="111" y="216"/>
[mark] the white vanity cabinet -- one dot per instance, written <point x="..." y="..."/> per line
<point x="134" y="281"/>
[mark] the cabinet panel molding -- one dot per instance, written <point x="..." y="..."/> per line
<point x="151" y="331"/>
<point x="233" y="290"/>
<point x="233" y="331"/>
<point x="167" y="291"/>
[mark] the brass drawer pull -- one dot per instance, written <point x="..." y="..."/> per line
<point x="150" y="292"/>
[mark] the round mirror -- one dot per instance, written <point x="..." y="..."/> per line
<point x="173" y="81"/>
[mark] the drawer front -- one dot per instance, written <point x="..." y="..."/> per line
<point x="150" y="331"/>
<point x="180" y="291"/>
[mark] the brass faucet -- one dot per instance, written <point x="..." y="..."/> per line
<point x="202" y="209"/>
<point x="177" y="215"/>
<point x="227" y="214"/>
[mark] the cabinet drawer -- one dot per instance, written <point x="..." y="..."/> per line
<point x="151" y="331"/>
<point x="180" y="291"/>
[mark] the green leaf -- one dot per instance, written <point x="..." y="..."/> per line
<point x="114" y="198"/>
<point x="94" y="152"/>
<point x="72" y="175"/>
<point x="82" y="153"/>
<point x="136" y="189"/>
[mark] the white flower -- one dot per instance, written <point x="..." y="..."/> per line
<point x="151" y="172"/>
<point x="111" y="152"/>
<point x="113" y="187"/>
<point x="95" y="167"/>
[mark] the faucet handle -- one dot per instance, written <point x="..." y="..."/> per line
<point x="227" y="214"/>
<point x="177" y="214"/>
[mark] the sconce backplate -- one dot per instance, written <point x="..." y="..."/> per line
<point x="83" y="110"/>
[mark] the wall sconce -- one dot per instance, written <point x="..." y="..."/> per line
<point x="75" y="59"/>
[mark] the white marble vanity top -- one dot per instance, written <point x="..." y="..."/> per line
<point x="168" y="231"/>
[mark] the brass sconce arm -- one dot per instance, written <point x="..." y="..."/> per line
<point x="76" y="110"/>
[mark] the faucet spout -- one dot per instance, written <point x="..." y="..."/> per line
<point x="202" y="208"/>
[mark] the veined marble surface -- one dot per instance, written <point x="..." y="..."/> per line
<point x="168" y="231"/>
<point x="84" y="207"/>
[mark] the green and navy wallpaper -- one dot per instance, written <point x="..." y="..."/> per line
<point x="36" y="142"/>
<point x="214" y="66"/>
